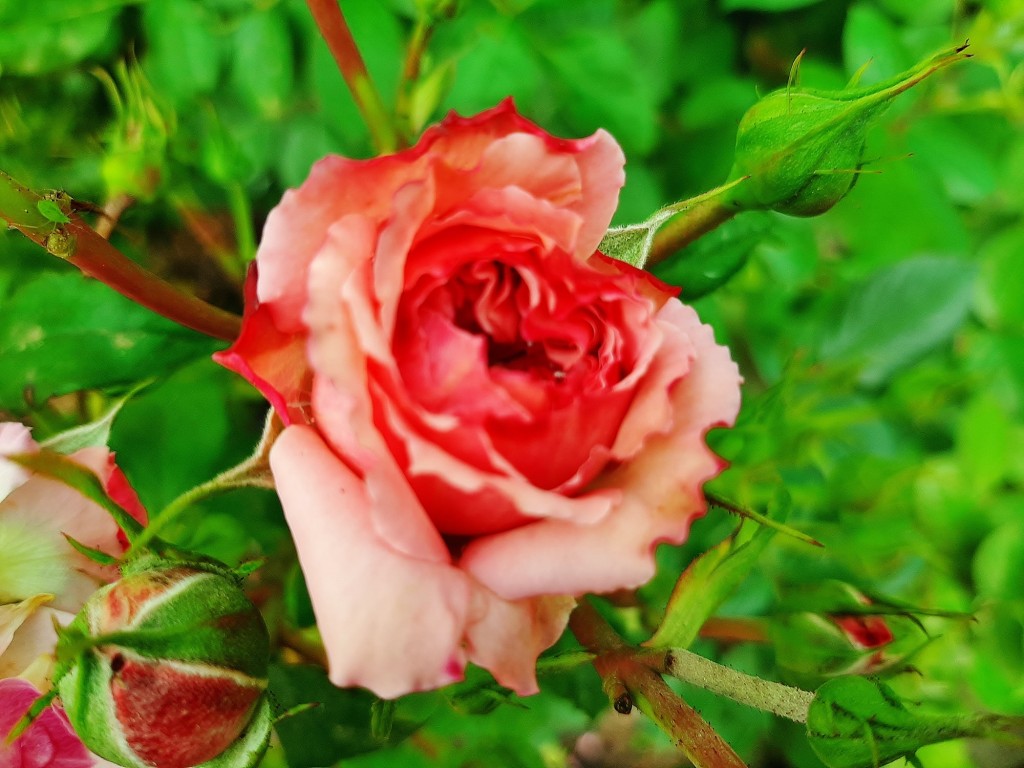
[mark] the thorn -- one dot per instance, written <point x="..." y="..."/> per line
<point x="961" y="48"/>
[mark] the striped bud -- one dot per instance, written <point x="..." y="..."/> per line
<point x="167" y="668"/>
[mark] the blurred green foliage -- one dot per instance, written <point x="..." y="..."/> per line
<point x="882" y="343"/>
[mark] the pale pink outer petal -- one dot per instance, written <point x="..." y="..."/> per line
<point x="43" y="503"/>
<point x="661" y="494"/>
<point x="14" y="438"/>
<point x="33" y="637"/>
<point x="506" y="637"/>
<point x="390" y="622"/>
<point x="338" y="313"/>
<point x="48" y="743"/>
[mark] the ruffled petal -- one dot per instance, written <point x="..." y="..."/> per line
<point x="272" y="361"/>
<point x="661" y="494"/>
<point x="506" y="637"/>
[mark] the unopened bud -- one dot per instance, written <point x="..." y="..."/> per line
<point x="802" y="149"/>
<point x="167" y="668"/>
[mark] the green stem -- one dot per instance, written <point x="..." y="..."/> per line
<point x="97" y="258"/>
<point x="766" y="695"/>
<point x="411" y="69"/>
<point x="693" y="222"/>
<point x="237" y="477"/>
<point x="335" y="31"/>
<point x="241" y="214"/>
<point x="253" y="472"/>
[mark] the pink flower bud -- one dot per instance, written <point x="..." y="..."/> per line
<point x="167" y="668"/>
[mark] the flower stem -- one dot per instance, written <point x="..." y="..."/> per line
<point x="92" y="254"/>
<point x="782" y="700"/>
<point x="628" y="680"/>
<point x="252" y="472"/>
<point x="703" y="216"/>
<point x="335" y="31"/>
<point x="241" y="214"/>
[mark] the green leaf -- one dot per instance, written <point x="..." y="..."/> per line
<point x="342" y="726"/>
<point x="262" y="67"/>
<point x="901" y="313"/>
<point x="96" y="555"/>
<point x="53" y="34"/>
<point x="61" y="333"/>
<point x="858" y="723"/>
<point x="771" y="6"/>
<point x="1001" y="284"/>
<point x="870" y="36"/>
<point x="604" y="89"/>
<point x="95" y="433"/>
<point x="706" y="583"/>
<point x="710" y="262"/>
<point x="174" y="27"/>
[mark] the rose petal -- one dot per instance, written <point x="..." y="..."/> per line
<point x="14" y="438"/>
<point x="43" y="504"/>
<point x="48" y="743"/>
<point x="507" y="637"/>
<point x="272" y="361"/>
<point x="390" y="622"/>
<point x="661" y="495"/>
<point x="33" y="637"/>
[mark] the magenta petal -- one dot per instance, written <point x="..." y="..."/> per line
<point x="48" y="743"/>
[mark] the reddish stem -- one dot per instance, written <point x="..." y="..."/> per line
<point x="99" y="259"/>
<point x="629" y="679"/>
<point x="331" y="21"/>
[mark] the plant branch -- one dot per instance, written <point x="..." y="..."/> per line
<point x="77" y="243"/>
<point x="689" y="225"/>
<point x="335" y="31"/>
<point x="628" y="680"/>
<point x="766" y="695"/>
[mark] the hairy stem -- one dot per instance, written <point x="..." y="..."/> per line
<point x="782" y="700"/>
<point x="691" y="224"/>
<point x="335" y="31"/>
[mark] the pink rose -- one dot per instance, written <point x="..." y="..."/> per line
<point x="484" y="416"/>
<point x="42" y="577"/>
<point x="48" y="743"/>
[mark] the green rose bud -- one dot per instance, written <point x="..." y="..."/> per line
<point x="167" y="668"/>
<point x="800" y="150"/>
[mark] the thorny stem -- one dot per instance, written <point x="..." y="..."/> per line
<point x="335" y="31"/>
<point x="97" y="258"/>
<point x="629" y="680"/>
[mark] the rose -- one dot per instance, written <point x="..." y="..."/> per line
<point x="42" y="577"/>
<point x="483" y="415"/>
